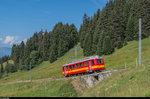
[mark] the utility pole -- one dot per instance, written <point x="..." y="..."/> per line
<point x="139" y="41"/>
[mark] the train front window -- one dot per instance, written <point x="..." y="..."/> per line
<point x="99" y="61"/>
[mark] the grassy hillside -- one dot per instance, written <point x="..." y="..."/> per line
<point x="45" y="70"/>
<point x="134" y="82"/>
<point x="59" y="88"/>
<point x="126" y="54"/>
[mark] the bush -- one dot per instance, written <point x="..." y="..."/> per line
<point x="125" y="43"/>
<point x="120" y="44"/>
<point x="10" y="68"/>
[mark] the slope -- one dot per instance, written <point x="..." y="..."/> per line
<point x="133" y="82"/>
<point x="126" y="54"/>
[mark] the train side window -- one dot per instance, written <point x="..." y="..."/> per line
<point x="76" y="65"/>
<point x="87" y="63"/>
<point x="80" y="64"/>
<point x="69" y="67"/>
<point x="66" y="67"/>
<point x="83" y="64"/>
<point x="92" y="62"/>
<point x="73" y="66"/>
<point x="99" y="61"/>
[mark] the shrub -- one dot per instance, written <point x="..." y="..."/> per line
<point x="10" y="68"/>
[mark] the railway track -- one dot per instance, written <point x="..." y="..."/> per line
<point x="59" y="78"/>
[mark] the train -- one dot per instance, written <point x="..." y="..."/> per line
<point x="83" y="66"/>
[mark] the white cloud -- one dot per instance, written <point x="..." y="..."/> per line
<point x="10" y="40"/>
<point x="13" y="40"/>
<point x="19" y="41"/>
<point x="25" y="40"/>
<point x="1" y="39"/>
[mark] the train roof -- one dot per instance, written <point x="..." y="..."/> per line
<point x="84" y="59"/>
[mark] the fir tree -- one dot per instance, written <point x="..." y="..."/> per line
<point x="53" y="54"/>
<point x="107" y="46"/>
<point x="130" y="31"/>
<point x="46" y="45"/>
<point x="100" y="44"/>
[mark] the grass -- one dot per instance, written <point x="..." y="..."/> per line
<point x="128" y="55"/>
<point x="134" y="82"/>
<point x="45" y="89"/>
<point x="113" y="86"/>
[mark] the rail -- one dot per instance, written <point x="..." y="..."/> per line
<point x="60" y="78"/>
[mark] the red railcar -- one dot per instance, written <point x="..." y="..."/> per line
<point x="86" y="65"/>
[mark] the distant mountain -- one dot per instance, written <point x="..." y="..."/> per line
<point x="5" y="51"/>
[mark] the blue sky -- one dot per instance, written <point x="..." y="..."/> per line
<point x="20" y="19"/>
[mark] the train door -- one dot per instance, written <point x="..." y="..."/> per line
<point x="73" y="68"/>
<point x="90" y="65"/>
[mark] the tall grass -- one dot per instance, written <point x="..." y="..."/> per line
<point x="57" y="88"/>
<point x="133" y="82"/>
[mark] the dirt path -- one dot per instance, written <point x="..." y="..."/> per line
<point x="38" y="80"/>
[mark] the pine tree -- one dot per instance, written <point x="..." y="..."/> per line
<point x="22" y="45"/>
<point x="96" y="30"/>
<point x="73" y="35"/>
<point x="13" y="51"/>
<point x="27" y="51"/>
<point x="35" y="58"/>
<point x="53" y="54"/>
<point x="117" y="25"/>
<point x="40" y="43"/>
<point x="21" y="59"/>
<point x="145" y="16"/>
<point x="46" y="45"/>
<point x="130" y="31"/>
<point x="120" y="43"/>
<point x="34" y="42"/>
<point x="107" y="46"/>
<point x="87" y="48"/>
<point x="100" y="44"/>
<point x="83" y="29"/>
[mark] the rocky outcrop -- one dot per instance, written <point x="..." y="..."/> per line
<point x="93" y="79"/>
